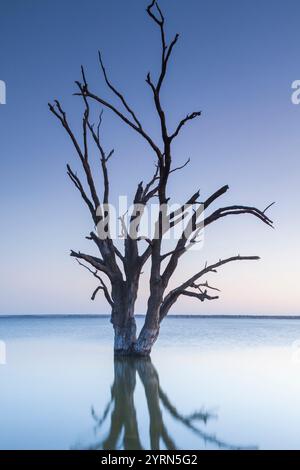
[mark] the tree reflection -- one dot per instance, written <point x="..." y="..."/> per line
<point x="123" y="430"/>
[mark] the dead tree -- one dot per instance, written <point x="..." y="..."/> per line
<point x="118" y="271"/>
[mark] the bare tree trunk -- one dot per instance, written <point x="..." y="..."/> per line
<point x="150" y="330"/>
<point x="123" y="320"/>
<point x="125" y="338"/>
<point x="124" y="295"/>
<point x="146" y="340"/>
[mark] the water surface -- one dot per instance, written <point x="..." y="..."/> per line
<point x="211" y="383"/>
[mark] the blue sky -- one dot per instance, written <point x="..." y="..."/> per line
<point x="235" y="61"/>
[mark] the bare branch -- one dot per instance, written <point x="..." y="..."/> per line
<point x="172" y="252"/>
<point x="159" y="21"/>
<point x="75" y="179"/>
<point x="97" y="263"/>
<point x="205" y="284"/>
<point x="61" y="115"/>
<point x="116" y="111"/>
<point x="213" y="267"/>
<point x="117" y="93"/>
<point x="104" y="158"/>
<point x="96" y="239"/>
<point x="236" y="210"/>
<point x="93" y="296"/>
<point x="189" y="117"/>
<point x="215" y="196"/>
<point x="173" y="295"/>
<point x="83" y="155"/>
<point x="268" y="207"/>
<point x="148" y="192"/>
<point x="191" y="201"/>
<point x="196" y="227"/>
<point x="102" y="284"/>
<point x="199" y="295"/>
<point x="146" y="239"/>
<point x="180" y="167"/>
<point x="119" y="254"/>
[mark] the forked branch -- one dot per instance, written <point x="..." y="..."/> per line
<point x="102" y="285"/>
<point x="173" y="295"/>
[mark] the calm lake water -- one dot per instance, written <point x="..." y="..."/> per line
<point x="211" y="384"/>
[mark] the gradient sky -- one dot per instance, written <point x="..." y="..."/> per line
<point x="235" y="61"/>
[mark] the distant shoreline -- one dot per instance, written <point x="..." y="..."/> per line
<point x="221" y="317"/>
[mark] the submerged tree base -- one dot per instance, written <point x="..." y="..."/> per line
<point x="130" y="353"/>
<point x="133" y="351"/>
<point x="125" y="345"/>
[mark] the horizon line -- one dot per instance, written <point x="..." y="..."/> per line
<point x="99" y="315"/>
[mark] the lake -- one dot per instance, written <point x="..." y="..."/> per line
<point x="211" y="383"/>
